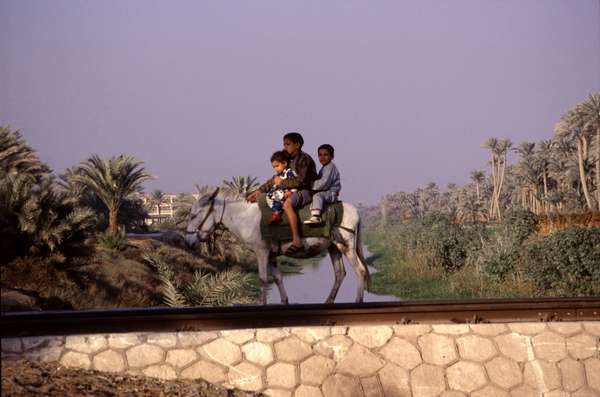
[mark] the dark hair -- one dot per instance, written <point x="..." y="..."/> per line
<point x="294" y="137"/>
<point x="282" y="156"/>
<point x="327" y="147"/>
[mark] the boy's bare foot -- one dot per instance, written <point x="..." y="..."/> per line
<point x="294" y="250"/>
<point x="275" y="218"/>
<point x="313" y="220"/>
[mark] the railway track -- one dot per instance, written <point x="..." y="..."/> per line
<point x="240" y="317"/>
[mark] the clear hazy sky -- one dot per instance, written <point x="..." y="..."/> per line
<point x="406" y="91"/>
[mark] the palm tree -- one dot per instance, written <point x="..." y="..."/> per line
<point x="573" y="127"/>
<point x="240" y="186"/>
<point x="18" y="157"/>
<point x="589" y="111"/>
<point x="113" y="181"/>
<point x="499" y="150"/>
<point x="478" y="177"/>
<point x="157" y="197"/>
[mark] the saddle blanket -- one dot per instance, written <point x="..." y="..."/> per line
<point x="332" y="216"/>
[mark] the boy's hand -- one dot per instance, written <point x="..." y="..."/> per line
<point x="252" y="196"/>
<point x="277" y="180"/>
<point x="287" y="194"/>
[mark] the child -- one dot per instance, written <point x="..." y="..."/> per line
<point x="327" y="188"/>
<point x="277" y="194"/>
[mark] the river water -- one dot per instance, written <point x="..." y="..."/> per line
<point x="315" y="282"/>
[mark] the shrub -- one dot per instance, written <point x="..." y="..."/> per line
<point x="566" y="262"/>
<point x="115" y="242"/>
<point x="520" y="224"/>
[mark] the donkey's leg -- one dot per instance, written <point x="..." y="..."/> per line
<point x="263" y="259"/>
<point x="338" y="269"/>
<point x="278" y="279"/>
<point x="360" y="271"/>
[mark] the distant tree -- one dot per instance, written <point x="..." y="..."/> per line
<point x="157" y="198"/>
<point x="589" y="112"/>
<point x="240" y="186"/>
<point x="478" y="177"/>
<point x="16" y="156"/>
<point x="113" y="180"/>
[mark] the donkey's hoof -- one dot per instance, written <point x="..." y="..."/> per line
<point x="285" y="301"/>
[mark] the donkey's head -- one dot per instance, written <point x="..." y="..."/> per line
<point x="202" y="220"/>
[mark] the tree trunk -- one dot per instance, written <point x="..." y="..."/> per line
<point x="477" y="187"/>
<point x="580" y="155"/>
<point x="113" y="224"/>
<point x="494" y="182"/>
<point x="501" y="174"/>
<point x="545" y="189"/>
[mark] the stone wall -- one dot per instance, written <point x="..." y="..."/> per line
<point x="487" y="360"/>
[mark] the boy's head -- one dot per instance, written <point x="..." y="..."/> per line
<point x="292" y="142"/>
<point x="325" y="153"/>
<point x="280" y="160"/>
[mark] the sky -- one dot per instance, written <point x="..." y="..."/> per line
<point x="201" y="91"/>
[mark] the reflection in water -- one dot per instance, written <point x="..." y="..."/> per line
<point x="315" y="282"/>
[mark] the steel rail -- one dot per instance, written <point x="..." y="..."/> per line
<point x="240" y="317"/>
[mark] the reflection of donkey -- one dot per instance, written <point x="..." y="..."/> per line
<point x="243" y="220"/>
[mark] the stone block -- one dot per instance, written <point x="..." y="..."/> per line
<point x="165" y="372"/>
<point x="402" y="353"/>
<point x="339" y="385"/>
<point x="308" y="391"/>
<point x="557" y="393"/>
<point x="222" y="351"/>
<point x="179" y="358"/>
<point x="32" y="342"/>
<point x="488" y="329"/>
<point x="258" y="353"/>
<point x="277" y="393"/>
<point x="573" y="374"/>
<point x="452" y="393"/>
<point x="316" y="369"/>
<point x="476" y="348"/>
<point x="208" y="371"/>
<point x="123" y="341"/>
<point x="45" y="354"/>
<point x="292" y="349"/>
<point x="411" y="332"/>
<point x="371" y="337"/>
<point x="527" y="328"/>
<point x="565" y="327"/>
<point x="582" y="346"/>
<point x="371" y="387"/>
<point x="394" y="380"/>
<point x="246" y="376"/>
<point x="451" y="329"/>
<point x="339" y="330"/>
<point x="437" y="349"/>
<point x="311" y="334"/>
<point x="75" y="360"/>
<point x="592" y="327"/>
<point x="549" y="346"/>
<point x="525" y="391"/>
<point x="162" y="339"/>
<point x="335" y="347"/>
<point x="195" y="339"/>
<point x="143" y="355"/>
<point x="504" y="372"/>
<point x="238" y="336"/>
<point x="514" y="346"/>
<point x="282" y="375"/>
<point x="271" y="334"/>
<point x="585" y="392"/>
<point x="490" y="391"/>
<point x="592" y="371"/>
<point x="466" y="376"/>
<point x="359" y="362"/>
<point x="109" y="361"/>
<point x="542" y="375"/>
<point x="84" y="344"/>
<point x="427" y="381"/>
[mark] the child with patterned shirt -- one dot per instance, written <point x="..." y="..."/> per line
<point x="277" y="194"/>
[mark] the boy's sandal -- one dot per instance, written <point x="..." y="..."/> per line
<point x="293" y="249"/>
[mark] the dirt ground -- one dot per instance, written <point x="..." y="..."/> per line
<point x="26" y="378"/>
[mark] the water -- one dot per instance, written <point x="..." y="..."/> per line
<point x="314" y="284"/>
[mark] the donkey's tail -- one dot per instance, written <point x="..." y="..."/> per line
<point x="361" y="255"/>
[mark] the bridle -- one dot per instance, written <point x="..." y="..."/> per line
<point x="210" y="209"/>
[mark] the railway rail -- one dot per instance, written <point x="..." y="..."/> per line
<point x="240" y="317"/>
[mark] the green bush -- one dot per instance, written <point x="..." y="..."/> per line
<point x="520" y="224"/>
<point x="115" y="242"/>
<point x="443" y="242"/>
<point x="565" y="263"/>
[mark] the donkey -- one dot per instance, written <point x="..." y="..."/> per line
<point x="243" y="220"/>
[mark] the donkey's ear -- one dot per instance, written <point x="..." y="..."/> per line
<point x="214" y="194"/>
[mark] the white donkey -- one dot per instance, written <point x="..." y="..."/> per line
<point x="243" y="220"/>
